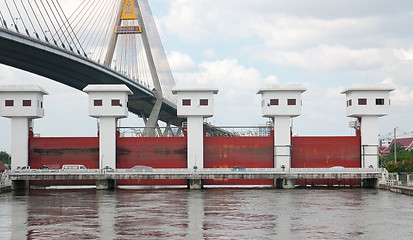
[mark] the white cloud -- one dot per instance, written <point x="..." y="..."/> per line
<point x="330" y="58"/>
<point x="180" y="62"/>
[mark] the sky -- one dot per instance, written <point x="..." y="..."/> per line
<point x="240" y="46"/>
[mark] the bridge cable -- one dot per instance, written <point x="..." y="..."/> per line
<point x="34" y="29"/>
<point x="56" y="32"/>
<point x="86" y="44"/>
<point x="80" y="45"/>
<point x="105" y="35"/>
<point x="3" y="21"/>
<point x="47" y="13"/>
<point x="12" y="18"/>
<point x="48" y="28"/>
<point x="80" y="21"/>
<point x="63" y="26"/>
<point x="40" y="25"/>
<point x="18" y="12"/>
<point x="97" y="20"/>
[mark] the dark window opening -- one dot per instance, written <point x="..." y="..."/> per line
<point x="9" y="103"/>
<point x="186" y="102"/>
<point x="362" y="101"/>
<point x="115" y="102"/>
<point x="273" y="101"/>
<point x="97" y="102"/>
<point x="291" y="102"/>
<point x="203" y="102"/>
<point x="27" y="103"/>
<point x="379" y="101"/>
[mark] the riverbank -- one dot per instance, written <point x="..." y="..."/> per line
<point x="398" y="189"/>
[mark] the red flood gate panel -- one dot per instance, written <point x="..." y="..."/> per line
<point x="326" y="152"/>
<point x="57" y="151"/>
<point x="247" y="152"/>
<point x="156" y="152"/>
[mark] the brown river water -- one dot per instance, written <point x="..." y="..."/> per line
<point x="340" y="213"/>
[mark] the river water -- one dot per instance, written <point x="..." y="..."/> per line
<point x="340" y="213"/>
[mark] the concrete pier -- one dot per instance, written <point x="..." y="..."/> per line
<point x="285" y="183"/>
<point x="195" y="184"/>
<point x="19" y="184"/>
<point x="105" y="184"/>
<point x="371" y="183"/>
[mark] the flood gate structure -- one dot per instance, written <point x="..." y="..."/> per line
<point x="255" y="155"/>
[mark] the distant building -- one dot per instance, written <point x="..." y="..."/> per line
<point x="3" y="167"/>
<point x="407" y="144"/>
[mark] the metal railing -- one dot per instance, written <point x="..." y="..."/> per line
<point x="238" y="131"/>
<point x="150" y="132"/>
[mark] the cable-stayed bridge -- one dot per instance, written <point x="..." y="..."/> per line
<point x="101" y="42"/>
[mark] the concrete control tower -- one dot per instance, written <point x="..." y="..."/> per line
<point x="108" y="103"/>
<point x="367" y="103"/>
<point x="195" y="104"/>
<point x="282" y="102"/>
<point x="21" y="103"/>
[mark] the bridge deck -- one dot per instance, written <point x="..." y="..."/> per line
<point x="32" y="55"/>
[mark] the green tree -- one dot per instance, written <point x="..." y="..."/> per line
<point x="404" y="161"/>
<point x="4" y="157"/>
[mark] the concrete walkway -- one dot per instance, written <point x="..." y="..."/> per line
<point x="398" y="189"/>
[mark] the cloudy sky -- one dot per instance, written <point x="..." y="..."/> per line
<point x="240" y="46"/>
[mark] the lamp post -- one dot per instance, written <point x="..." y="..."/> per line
<point x="394" y="145"/>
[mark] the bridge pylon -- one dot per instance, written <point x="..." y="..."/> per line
<point x="130" y="11"/>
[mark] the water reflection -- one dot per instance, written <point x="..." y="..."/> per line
<point x="206" y="214"/>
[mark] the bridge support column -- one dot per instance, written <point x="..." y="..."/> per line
<point x="19" y="184"/>
<point x="371" y="183"/>
<point x="195" y="184"/>
<point x="285" y="183"/>
<point x="105" y="184"/>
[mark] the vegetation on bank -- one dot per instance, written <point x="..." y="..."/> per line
<point x="4" y="157"/>
<point x="404" y="160"/>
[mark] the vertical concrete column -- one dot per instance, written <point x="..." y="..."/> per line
<point x="19" y="142"/>
<point x="368" y="102"/>
<point x="195" y="104"/>
<point x="107" y="142"/>
<point x="21" y="103"/>
<point x="195" y="134"/>
<point x="108" y="103"/>
<point x="282" y="142"/>
<point x="369" y="140"/>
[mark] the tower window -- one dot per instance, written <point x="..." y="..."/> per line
<point x="9" y="103"/>
<point x="203" y="102"/>
<point x="115" y="102"/>
<point x="274" y="101"/>
<point x="291" y="102"/>
<point x="97" y="102"/>
<point x="27" y="103"/>
<point x="362" y="101"/>
<point x="379" y="101"/>
<point x="186" y="102"/>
